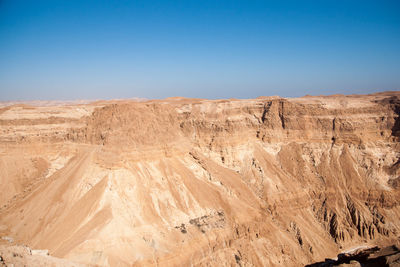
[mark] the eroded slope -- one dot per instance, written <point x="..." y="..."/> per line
<point x="268" y="181"/>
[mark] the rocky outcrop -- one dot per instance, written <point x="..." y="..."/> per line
<point x="205" y="182"/>
<point x="372" y="257"/>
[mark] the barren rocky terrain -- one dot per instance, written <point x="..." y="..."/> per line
<point x="261" y="182"/>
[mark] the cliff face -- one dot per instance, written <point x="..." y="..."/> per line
<point x="267" y="181"/>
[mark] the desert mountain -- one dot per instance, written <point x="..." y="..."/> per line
<point x="178" y="182"/>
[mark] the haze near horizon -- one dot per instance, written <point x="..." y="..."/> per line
<point x="64" y="50"/>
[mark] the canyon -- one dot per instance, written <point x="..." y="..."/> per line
<point x="270" y="181"/>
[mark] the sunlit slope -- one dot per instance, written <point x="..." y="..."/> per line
<point x="268" y="181"/>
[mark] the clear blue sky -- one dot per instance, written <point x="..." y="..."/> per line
<point x="209" y="49"/>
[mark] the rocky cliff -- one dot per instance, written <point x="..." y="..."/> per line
<point x="266" y="181"/>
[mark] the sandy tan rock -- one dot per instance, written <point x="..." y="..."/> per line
<point x="261" y="182"/>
